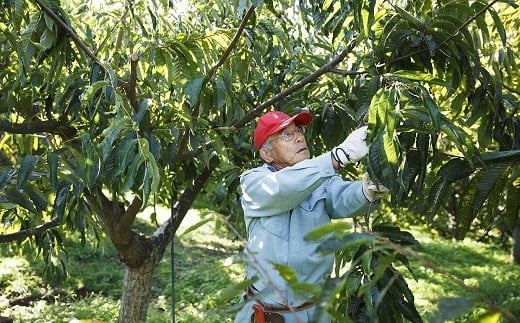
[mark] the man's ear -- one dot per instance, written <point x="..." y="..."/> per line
<point x="265" y="154"/>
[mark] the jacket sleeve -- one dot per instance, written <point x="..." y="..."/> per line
<point x="267" y="193"/>
<point x="345" y="198"/>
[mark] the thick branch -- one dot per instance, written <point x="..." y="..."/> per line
<point x="165" y="232"/>
<point x="130" y="87"/>
<point x="49" y="126"/>
<point x="133" y="248"/>
<point x="22" y="234"/>
<point x="128" y="217"/>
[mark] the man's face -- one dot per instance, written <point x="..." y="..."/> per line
<point x="288" y="147"/>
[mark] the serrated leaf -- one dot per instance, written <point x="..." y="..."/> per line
<point x="347" y="242"/>
<point x="26" y="168"/>
<point x="432" y="108"/>
<point x="152" y="169"/>
<point x="464" y="214"/>
<point x="61" y="199"/>
<point x="487" y="184"/>
<point x="495" y="197"/>
<point x="52" y="161"/>
<point x="131" y="173"/>
<point x="91" y="91"/>
<point x="36" y="197"/>
<point x="455" y="169"/>
<point x="5" y="176"/>
<point x="439" y="193"/>
<point x="15" y="196"/>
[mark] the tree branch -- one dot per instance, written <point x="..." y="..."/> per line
<point x="210" y="75"/>
<point x="166" y="231"/>
<point x="69" y="31"/>
<point x="346" y="72"/>
<point x="22" y="234"/>
<point x="130" y="87"/>
<point x="329" y="67"/>
<point x="48" y="126"/>
<point x="422" y="50"/>
<point x="127" y="220"/>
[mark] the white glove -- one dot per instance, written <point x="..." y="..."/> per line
<point x="353" y="149"/>
<point x="373" y="191"/>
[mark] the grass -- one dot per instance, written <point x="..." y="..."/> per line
<point x="207" y="264"/>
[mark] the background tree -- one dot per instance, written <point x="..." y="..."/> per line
<point x="108" y="109"/>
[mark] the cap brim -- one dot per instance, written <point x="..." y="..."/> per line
<point x="300" y="119"/>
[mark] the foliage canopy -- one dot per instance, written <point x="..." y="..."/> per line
<point x="105" y="110"/>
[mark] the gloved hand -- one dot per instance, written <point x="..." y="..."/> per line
<point x="373" y="191"/>
<point x="353" y="149"/>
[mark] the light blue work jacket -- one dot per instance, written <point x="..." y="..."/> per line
<point x="280" y="208"/>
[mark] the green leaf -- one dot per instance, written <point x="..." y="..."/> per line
<point x="91" y="91"/>
<point x="131" y="173"/>
<point x="512" y="200"/>
<point x="26" y="168"/>
<point x="382" y="264"/>
<point x="196" y="226"/>
<point x="61" y="199"/>
<point x="420" y="76"/>
<point x="439" y="193"/>
<point x="5" y="176"/>
<point x="152" y="169"/>
<point x="499" y="156"/>
<point x="464" y="214"/>
<point x="39" y="201"/>
<point x="497" y="23"/>
<point x="432" y="108"/>
<point x="349" y="241"/>
<point x="411" y="19"/>
<point x="15" y="196"/>
<point x="455" y="169"/>
<point x="487" y="184"/>
<point x="495" y="198"/>
<point x="396" y="235"/>
<point x="193" y="88"/>
<point x="287" y="273"/>
<point x="333" y="227"/>
<point x="52" y="161"/>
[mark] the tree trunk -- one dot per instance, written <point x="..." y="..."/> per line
<point x="515" y="252"/>
<point x="136" y="291"/>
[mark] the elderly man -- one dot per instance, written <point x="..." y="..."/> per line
<point x="284" y="199"/>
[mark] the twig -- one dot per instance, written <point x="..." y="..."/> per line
<point x="419" y="51"/>
<point x="327" y="68"/>
<point x="69" y="31"/>
<point x="209" y="76"/>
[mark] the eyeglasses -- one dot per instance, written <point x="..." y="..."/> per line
<point x="287" y="135"/>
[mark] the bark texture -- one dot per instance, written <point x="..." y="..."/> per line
<point x="136" y="292"/>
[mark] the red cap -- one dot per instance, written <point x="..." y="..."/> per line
<point x="274" y="121"/>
